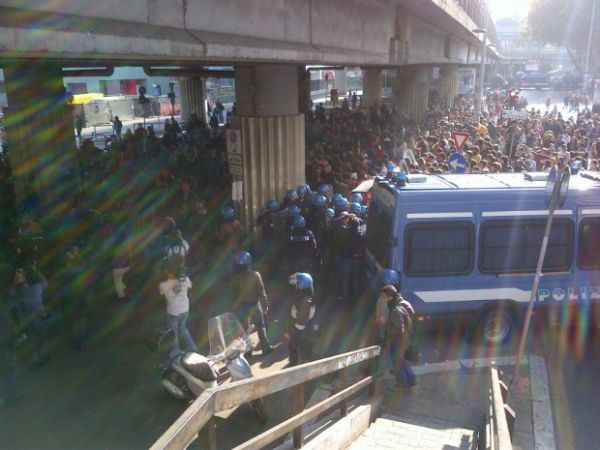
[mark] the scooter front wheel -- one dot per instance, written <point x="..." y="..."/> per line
<point x="259" y="408"/>
<point x="176" y="385"/>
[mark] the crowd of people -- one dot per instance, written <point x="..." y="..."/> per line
<point x="154" y="211"/>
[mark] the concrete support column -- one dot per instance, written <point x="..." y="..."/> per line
<point x="40" y="131"/>
<point x="193" y="94"/>
<point x="448" y="83"/>
<point x="341" y="82"/>
<point x="271" y="132"/>
<point x="411" y="92"/>
<point x="304" y="97"/>
<point x="372" y="87"/>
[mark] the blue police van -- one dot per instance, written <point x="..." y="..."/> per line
<point x="466" y="247"/>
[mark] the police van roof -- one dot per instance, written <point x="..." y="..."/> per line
<point x="502" y="181"/>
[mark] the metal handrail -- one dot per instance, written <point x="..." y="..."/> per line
<point x="496" y="433"/>
<point x="186" y="428"/>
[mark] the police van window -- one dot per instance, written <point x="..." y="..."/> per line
<point x="379" y="236"/>
<point x="438" y="248"/>
<point x="513" y="246"/>
<point x="588" y="256"/>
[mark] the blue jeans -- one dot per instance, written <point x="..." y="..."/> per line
<point x="180" y="331"/>
<point x="402" y="368"/>
<point x="343" y="268"/>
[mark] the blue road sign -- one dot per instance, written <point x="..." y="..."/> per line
<point x="457" y="163"/>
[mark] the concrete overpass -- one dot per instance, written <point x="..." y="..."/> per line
<point x="268" y="42"/>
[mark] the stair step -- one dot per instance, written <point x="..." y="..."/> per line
<point x="394" y="432"/>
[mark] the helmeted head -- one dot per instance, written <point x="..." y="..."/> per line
<point x="291" y="195"/>
<point x="320" y="201"/>
<point x="272" y="205"/>
<point x="293" y="211"/>
<point x="364" y="211"/>
<point x="242" y="259"/>
<point x="302" y="281"/>
<point x="342" y="204"/>
<point x="298" y="223"/>
<point x="329" y="213"/>
<point x="356" y="198"/>
<point x="301" y="191"/>
<point x="325" y="189"/>
<point x="355" y="208"/>
<point x="228" y="213"/>
<point x="389" y="277"/>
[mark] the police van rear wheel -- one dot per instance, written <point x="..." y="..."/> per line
<point x="496" y="327"/>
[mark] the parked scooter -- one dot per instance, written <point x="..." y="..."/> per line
<point x="189" y="374"/>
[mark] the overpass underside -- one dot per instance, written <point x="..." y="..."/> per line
<point x="268" y="42"/>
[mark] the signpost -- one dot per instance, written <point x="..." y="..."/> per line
<point x="460" y="137"/>
<point x="457" y="163"/>
<point x="557" y="185"/>
<point x="234" y="152"/>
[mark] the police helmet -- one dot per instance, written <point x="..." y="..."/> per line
<point x="272" y="205"/>
<point x="320" y="201"/>
<point x="343" y="204"/>
<point x="301" y="190"/>
<point x="355" y="208"/>
<point x="228" y="213"/>
<point x="242" y="258"/>
<point x="389" y="276"/>
<point x="329" y="213"/>
<point x="364" y="210"/>
<point x="324" y="189"/>
<point x="293" y="211"/>
<point x="302" y="281"/>
<point x="336" y="198"/>
<point x="291" y="195"/>
<point x="356" y="198"/>
<point x="299" y="223"/>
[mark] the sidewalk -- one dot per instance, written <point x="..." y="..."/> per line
<point x="448" y="406"/>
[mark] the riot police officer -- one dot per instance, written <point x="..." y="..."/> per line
<point x="300" y="330"/>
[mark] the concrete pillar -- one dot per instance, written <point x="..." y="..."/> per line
<point x="411" y="92"/>
<point x="304" y="97"/>
<point x="448" y="83"/>
<point x="40" y="132"/>
<point x="271" y="132"/>
<point x="341" y="82"/>
<point x="372" y="87"/>
<point x="192" y="92"/>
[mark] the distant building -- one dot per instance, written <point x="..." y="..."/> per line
<point x="524" y="53"/>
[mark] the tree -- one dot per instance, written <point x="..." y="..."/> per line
<point x="566" y="23"/>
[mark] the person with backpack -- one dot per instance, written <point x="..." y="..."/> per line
<point x="399" y="334"/>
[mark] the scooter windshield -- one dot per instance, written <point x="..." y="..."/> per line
<point x="226" y="335"/>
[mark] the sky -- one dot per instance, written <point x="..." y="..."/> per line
<point x="509" y="8"/>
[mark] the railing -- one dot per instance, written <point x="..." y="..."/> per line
<point x="185" y="429"/>
<point x="499" y="426"/>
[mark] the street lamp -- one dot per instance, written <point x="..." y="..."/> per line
<point x="479" y="97"/>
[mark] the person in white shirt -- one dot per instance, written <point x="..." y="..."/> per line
<point x="175" y="290"/>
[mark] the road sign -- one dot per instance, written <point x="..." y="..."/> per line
<point x="234" y="152"/>
<point x="515" y="114"/>
<point x="457" y="163"/>
<point x="460" y="137"/>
